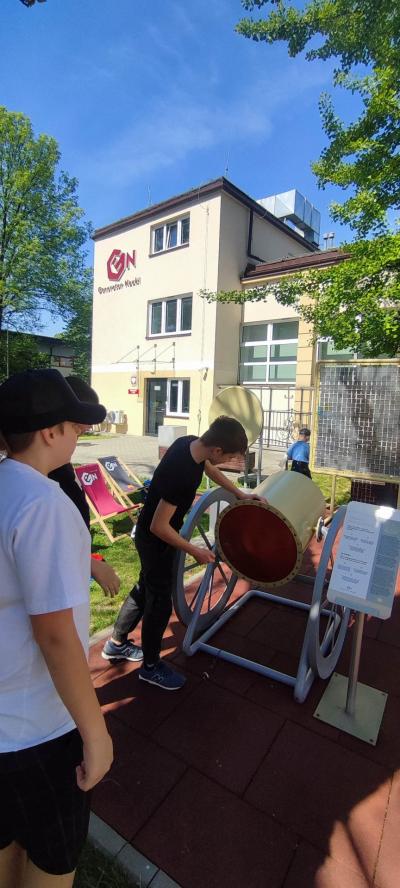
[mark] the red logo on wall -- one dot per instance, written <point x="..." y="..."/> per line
<point x="118" y="263"/>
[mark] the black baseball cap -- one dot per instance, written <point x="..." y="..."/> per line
<point x="82" y="389"/>
<point x="39" y="399"/>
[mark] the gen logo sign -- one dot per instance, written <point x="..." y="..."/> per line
<point x="88" y="478"/>
<point x="118" y="262"/>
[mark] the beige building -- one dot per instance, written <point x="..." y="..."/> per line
<point x="160" y="350"/>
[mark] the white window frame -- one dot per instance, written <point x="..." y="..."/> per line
<point x="165" y="225"/>
<point x="179" y="411"/>
<point x="350" y="357"/>
<point x="269" y="362"/>
<point x="163" y="331"/>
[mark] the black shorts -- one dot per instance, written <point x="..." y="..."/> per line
<point x="42" y="808"/>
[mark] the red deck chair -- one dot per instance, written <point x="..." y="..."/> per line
<point x="102" y="502"/>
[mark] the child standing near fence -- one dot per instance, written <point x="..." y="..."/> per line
<point x="299" y="453"/>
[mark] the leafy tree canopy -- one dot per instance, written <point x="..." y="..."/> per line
<point x="364" y="155"/>
<point x="356" y="303"/>
<point x="19" y="351"/>
<point x="42" y="231"/>
<point x="78" y="330"/>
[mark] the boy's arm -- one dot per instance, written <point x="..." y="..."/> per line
<point x="105" y="576"/>
<point x="216" y="475"/>
<point x="56" y="635"/>
<point x="162" y="528"/>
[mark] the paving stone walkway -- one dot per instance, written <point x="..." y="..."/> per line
<point x="141" y="452"/>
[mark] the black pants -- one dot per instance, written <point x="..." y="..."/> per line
<point x="302" y="467"/>
<point x="151" y="598"/>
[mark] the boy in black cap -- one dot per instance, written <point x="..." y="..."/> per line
<point x="54" y="745"/>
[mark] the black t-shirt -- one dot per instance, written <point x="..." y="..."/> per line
<point x="66" y="478"/>
<point x="175" y="480"/>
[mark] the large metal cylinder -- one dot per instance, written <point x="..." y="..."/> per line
<point x="265" y="542"/>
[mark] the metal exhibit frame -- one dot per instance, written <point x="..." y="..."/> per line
<point x="334" y="472"/>
<point x="319" y="656"/>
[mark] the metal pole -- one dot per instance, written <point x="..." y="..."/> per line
<point x="354" y="665"/>
<point x="333" y="493"/>
<point x="260" y="456"/>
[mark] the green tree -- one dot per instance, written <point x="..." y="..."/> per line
<point x="363" y="36"/>
<point x="356" y="302"/>
<point x="78" y="331"/>
<point x="42" y="231"/>
<point x="19" y="351"/>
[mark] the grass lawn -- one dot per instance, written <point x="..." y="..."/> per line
<point x="123" y="556"/>
<point x="96" y="870"/>
<point x="343" y="486"/>
<point x="93" y="436"/>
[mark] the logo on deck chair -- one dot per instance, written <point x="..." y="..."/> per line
<point x="110" y="466"/>
<point x="89" y="477"/>
<point x="118" y="262"/>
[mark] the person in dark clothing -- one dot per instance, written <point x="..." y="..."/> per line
<point x="65" y="476"/>
<point x="170" y="495"/>
<point x="299" y="453"/>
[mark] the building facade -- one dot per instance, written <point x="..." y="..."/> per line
<point x="160" y="350"/>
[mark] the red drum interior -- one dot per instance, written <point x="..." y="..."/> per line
<point x="257" y="543"/>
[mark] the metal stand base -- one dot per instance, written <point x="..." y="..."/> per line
<point x="301" y="682"/>
<point x="366" y="720"/>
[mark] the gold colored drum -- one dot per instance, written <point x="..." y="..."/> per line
<point x="239" y="403"/>
<point x="265" y="542"/>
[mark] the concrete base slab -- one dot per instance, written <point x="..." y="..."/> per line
<point x="369" y="709"/>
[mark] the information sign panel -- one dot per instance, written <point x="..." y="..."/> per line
<point x="356" y="428"/>
<point x="366" y="565"/>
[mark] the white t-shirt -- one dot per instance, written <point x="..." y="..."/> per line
<point x="44" y="567"/>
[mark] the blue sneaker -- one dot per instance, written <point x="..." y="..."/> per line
<point x="126" y="651"/>
<point x="162" y="676"/>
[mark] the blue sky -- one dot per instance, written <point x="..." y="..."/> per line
<point x="149" y="99"/>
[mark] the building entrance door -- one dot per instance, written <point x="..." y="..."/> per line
<point x="156" y="404"/>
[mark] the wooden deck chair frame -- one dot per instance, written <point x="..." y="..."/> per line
<point x="121" y="494"/>
<point x="100" y="519"/>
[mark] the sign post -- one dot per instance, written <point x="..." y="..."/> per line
<point x="363" y="578"/>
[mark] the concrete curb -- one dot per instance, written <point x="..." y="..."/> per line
<point x="100" y="636"/>
<point x="143" y="873"/>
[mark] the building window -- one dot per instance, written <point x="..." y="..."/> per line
<point x="178" y="397"/>
<point x="170" y="235"/>
<point x="62" y="361"/>
<point x="170" y="316"/>
<point x="328" y="352"/>
<point x="268" y="352"/>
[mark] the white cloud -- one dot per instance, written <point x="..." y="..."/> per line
<point x="177" y="124"/>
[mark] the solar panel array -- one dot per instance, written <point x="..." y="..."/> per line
<point x="358" y="408"/>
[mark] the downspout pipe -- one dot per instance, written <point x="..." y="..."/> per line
<point x="250" y="240"/>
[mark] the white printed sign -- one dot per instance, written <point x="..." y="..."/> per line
<point x="367" y="561"/>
